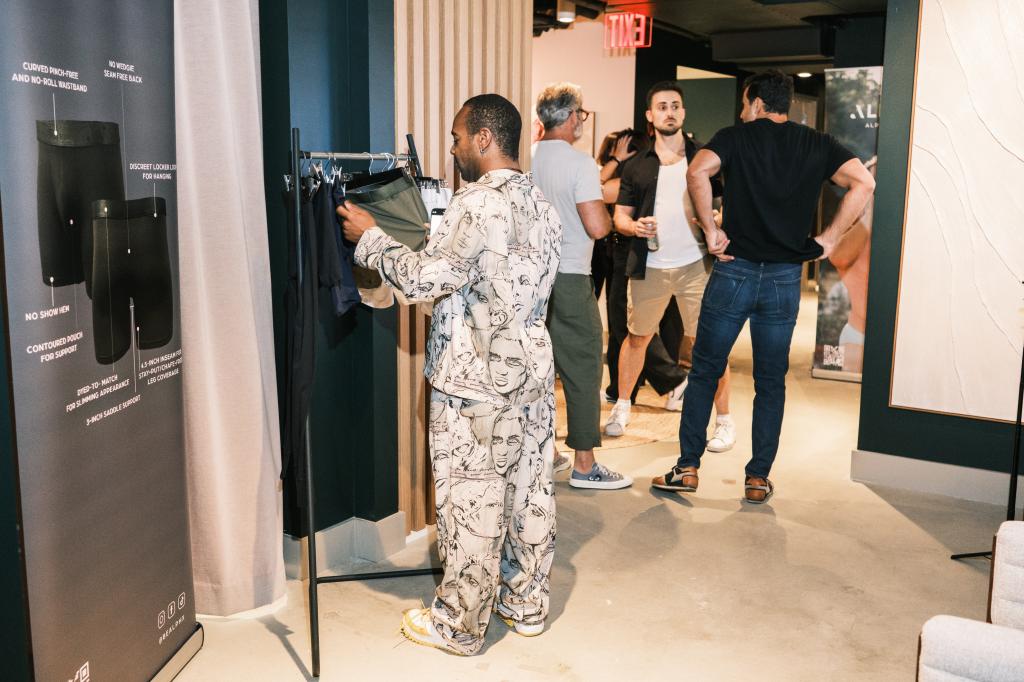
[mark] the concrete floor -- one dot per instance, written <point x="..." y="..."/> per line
<point x="830" y="581"/>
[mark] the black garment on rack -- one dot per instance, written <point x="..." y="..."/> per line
<point x="365" y="179"/>
<point x="301" y="312"/>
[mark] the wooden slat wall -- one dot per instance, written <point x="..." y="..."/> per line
<point x="446" y="51"/>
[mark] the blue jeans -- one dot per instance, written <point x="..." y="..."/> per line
<point x="768" y="294"/>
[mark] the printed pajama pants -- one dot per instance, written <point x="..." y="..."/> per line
<point x="495" y="513"/>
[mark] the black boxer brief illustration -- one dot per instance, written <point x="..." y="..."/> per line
<point x="79" y="162"/>
<point x="131" y="275"/>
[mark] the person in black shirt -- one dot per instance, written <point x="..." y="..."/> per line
<point x="773" y="171"/>
<point x="661" y="367"/>
<point x="667" y="257"/>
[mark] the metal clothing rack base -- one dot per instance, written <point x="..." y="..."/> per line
<point x="315" y="580"/>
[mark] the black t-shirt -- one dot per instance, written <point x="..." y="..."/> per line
<point x="773" y="174"/>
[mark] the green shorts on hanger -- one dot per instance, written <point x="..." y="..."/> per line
<point x="398" y="209"/>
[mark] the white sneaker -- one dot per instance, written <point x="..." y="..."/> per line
<point x="524" y="629"/>
<point x="561" y="463"/>
<point x="418" y="627"/>
<point x="674" y="400"/>
<point x="723" y="438"/>
<point x="618" y="419"/>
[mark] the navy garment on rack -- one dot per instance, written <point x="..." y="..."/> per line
<point x="300" y="318"/>
<point x="334" y="273"/>
<point x="345" y="293"/>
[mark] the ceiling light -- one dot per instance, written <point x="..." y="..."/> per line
<point x="804" y="74"/>
<point x="566" y="12"/>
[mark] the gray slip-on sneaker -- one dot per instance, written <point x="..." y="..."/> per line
<point x="600" y="477"/>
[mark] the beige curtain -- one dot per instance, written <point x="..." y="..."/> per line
<point x="232" y="442"/>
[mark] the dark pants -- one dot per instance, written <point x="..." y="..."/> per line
<point x="661" y="366"/>
<point x="601" y="263"/>
<point x="768" y="294"/>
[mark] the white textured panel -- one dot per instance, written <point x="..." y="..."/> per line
<point x="958" y="336"/>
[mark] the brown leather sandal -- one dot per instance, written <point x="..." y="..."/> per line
<point x="757" y="490"/>
<point x="680" y="480"/>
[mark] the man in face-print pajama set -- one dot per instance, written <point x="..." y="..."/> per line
<point x="489" y="269"/>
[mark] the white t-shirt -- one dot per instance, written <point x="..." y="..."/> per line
<point x="673" y="209"/>
<point x="568" y="177"/>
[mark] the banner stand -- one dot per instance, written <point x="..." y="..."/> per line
<point x="182" y="656"/>
<point x="94" y="415"/>
<point x="852" y="98"/>
<point x="836" y="375"/>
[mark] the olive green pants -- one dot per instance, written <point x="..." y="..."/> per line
<point x="574" y="324"/>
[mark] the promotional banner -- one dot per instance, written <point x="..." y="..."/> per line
<point x="88" y="212"/>
<point x="852" y="97"/>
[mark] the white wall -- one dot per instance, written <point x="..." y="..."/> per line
<point x="958" y="334"/>
<point x="607" y="77"/>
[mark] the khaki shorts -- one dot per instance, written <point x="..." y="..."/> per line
<point x="647" y="298"/>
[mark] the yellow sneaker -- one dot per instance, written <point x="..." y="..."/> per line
<point x="418" y="627"/>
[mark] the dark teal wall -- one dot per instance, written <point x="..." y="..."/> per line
<point x="860" y="41"/>
<point x="710" y="105"/>
<point x="917" y="435"/>
<point x="658" y="63"/>
<point x="327" y="68"/>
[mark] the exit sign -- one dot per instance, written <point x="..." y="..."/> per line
<point x="627" y="29"/>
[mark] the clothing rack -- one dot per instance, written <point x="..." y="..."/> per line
<point x="314" y="580"/>
<point x="412" y="157"/>
<point x="355" y="156"/>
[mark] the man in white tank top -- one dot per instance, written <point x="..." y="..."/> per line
<point x="669" y="256"/>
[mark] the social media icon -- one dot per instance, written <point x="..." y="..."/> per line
<point x="181" y="601"/>
<point x="161" y="619"/>
<point x="170" y="610"/>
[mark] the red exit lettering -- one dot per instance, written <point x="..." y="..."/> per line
<point x="627" y="29"/>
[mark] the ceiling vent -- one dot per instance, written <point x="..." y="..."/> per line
<point x="801" y="44"/>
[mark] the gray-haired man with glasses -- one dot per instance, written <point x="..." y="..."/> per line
<point x="569" y="180"/>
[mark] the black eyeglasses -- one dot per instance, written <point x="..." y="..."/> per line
<point x="583" y="114"/>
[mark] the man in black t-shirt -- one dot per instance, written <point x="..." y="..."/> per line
<point x="773" y="171"/>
